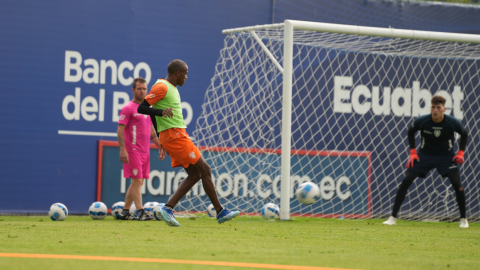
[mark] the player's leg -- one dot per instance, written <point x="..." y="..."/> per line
<point x="182" y="153"/>
<point x="186" y="185"/>
<point x="128" y="198"/>
<point x="407" y="181"/>
<point x="455" y="180"/>
<point x="136" y="193"/>
<point x="144" y="173"/>
<point x="125" y="214"/>
<point x="207" y="183"/>
<point x="166" y="212"/>
<point x="410" y="176"/>
<point x="195" y="172"/>
<point x="223" y="214"/>
<point x="130" y="170"/>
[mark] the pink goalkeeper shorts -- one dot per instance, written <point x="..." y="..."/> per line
<point x="138" y="166"/>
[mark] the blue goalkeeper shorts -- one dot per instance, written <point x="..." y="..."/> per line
<point x="443" y="163"/>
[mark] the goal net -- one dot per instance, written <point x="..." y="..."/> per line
<point x="352" y="99"/>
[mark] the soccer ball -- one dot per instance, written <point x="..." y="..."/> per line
<point x="308" y="193"/>
<point x="155" y="211"/>
<point x="117" y="209"/>
<point x="98" y="210"/>
<point x="211" y="211"/>
<point x="62" y="206"/>
<point x="58" y="211"/>
<point x="270" y="210"/>
<point x="148" y="207"/>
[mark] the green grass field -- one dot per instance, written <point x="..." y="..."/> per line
<point x="351" y="244"/>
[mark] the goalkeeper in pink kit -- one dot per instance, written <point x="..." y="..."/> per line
<point x="134" y="134"/>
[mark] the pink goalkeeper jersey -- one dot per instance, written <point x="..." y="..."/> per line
<point x="137" y="130"/>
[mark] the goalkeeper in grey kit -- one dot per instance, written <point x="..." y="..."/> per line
<point x="436" y="152"/>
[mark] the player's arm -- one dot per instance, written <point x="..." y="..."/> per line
<point x="411" y="137"/>
<point x="460" y="156"/>
<point x="463" y="140"/>
<point x="154" y="138"/>
<point x="144" y="108"/>
<point x="157" y="93"/>
<point x="121" y="142"/>
<point x="413" y="150"/>
<point x="154" y="122"/>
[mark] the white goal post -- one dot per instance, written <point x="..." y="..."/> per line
<point x="358" y="125"/>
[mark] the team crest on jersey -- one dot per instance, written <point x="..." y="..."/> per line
<point x="135" y="171"/>
<point x="437" y="133"/>
<point x="192" y="155"/>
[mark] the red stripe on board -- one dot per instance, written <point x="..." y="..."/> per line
<point x="99" y="169"/>
<point x="279" y="151"/>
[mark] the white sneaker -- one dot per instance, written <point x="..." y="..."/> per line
<point x="463" y="223"/>
<point x="391" y="221"/>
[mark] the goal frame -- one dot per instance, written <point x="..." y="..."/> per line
<point x="289" y="26"/>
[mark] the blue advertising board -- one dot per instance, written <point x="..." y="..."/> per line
<point x="66" y="69"/>
<point x="342" y="192"/>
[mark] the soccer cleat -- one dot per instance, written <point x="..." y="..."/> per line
<point x="148" y="217"/>
<point x="167" y="216"/>
<point x="390" y="221"/>
<point x="142" y="216"/>
<point x="125" y="215"/>
<point x="226" y="215"/>
<point x="128" y="217"/>
<point x="463" y="223"/>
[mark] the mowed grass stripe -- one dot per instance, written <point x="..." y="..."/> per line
<point x="130" y="259"/>
<point x="314" y="242"/>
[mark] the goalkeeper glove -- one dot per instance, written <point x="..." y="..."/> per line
<point x="459" y="159"/>
<point x="413" y="157"/>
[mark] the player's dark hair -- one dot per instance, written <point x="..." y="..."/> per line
<point x="176" y="65"/>
<point x="140" y="80"/>
<point x="438" y="100"/>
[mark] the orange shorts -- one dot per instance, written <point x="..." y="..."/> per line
<point x="182" y="151"/>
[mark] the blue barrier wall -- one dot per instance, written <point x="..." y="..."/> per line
<point x="348" y="192"/>
<point x="67" y="67"/>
